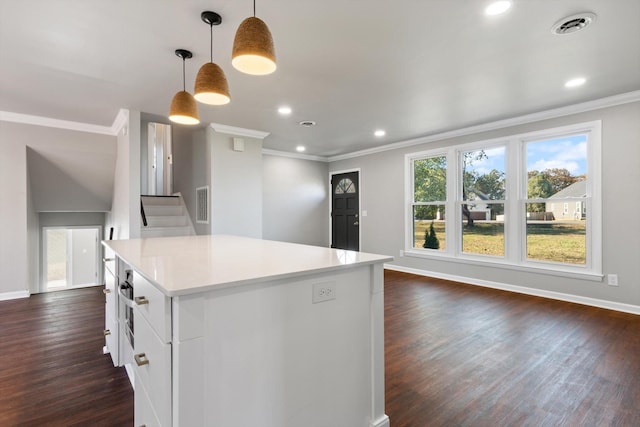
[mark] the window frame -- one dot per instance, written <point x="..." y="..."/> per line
<point x="515" y="201"/>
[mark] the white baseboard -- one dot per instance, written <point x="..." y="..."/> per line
<point x="594" y="302"/>
<point x="13" y="295"/>
<point x="383" y="421"/>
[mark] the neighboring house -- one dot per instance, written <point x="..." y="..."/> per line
<point x="564" y="205"/>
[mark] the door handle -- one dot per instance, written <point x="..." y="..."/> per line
<point x="356" y="223"/>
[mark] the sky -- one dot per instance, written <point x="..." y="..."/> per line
<point x="564" y="153"/>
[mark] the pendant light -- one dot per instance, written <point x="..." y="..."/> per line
<point x="253" y="51"/>
<point x="211" y="85"/>
<point x="183" y="107"/>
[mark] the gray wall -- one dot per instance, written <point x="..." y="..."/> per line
<point x="295" y="203"/>
<point x="236" y="185"/>
<point x="382" y="178"/>
<point x="18" y="221"/>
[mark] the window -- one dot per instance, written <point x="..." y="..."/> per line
<point x="428" y="202"/>
<point x="529" y="202"/>
<point x="345" y="186"/>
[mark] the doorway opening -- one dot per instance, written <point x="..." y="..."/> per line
<point x="345" y="210"/>
<point x="71" y="257"/>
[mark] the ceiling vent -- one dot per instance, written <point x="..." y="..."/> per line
<point x="307" y="123"/>
<point x="573" y="23"/>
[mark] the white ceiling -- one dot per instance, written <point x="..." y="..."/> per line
<point x="411" y="67"/>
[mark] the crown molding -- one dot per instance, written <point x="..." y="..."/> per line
<point x="27" y="119"/>
<point x="295" y="155"/>
<point x="610" y="101"/>
<point x="232" y="130"/>
<point x="121" y="120"/>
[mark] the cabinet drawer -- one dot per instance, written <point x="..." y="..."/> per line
<point x="153" y="305"/>
<point x="111" y="336"/>
<point x="144" y="414"/>
<point x="153" y="368"/>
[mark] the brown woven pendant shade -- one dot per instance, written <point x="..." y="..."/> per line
<point x="211" y="85"/>
<point x="184" y="109"/>
<point x="253" y="51"/>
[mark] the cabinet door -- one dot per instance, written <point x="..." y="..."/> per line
<point x="144" y="414"/>
<point x="111" y="329"/>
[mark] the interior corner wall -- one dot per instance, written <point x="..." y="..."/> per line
<point x="382" y="231"/>
<point x="19" y="242"/>
<point x="235" y="185"/>
<point x="295" y="204"/>
<point x="125" y="208"/>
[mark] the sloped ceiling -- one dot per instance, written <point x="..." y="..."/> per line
<point x="70" y="180"/>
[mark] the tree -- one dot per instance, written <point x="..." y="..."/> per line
<point x="469" y="178"/>
<point x="560" y="178"/>
<point x="430" y="178"/>
<point x="430" y="239"/>
<point x="538" y="187"/>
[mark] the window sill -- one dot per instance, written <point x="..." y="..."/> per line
<point x="500" y="263"/>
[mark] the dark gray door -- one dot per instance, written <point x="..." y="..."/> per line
<point x="345" y="223"/>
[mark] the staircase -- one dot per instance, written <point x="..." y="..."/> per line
<point x="164" y="216"/>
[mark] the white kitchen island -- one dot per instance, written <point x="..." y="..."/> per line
<point x="236" y="332"/>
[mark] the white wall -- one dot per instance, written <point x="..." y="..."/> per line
<point x="382" y="196"/>
<point x="295" y="204"/>
<point x="18" y="223"/>
<point x="236" y="185"/>
<point x="125" y="210"/>
<point x="191" y="168"/>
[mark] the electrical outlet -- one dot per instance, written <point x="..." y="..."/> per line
<point x="324" y="292"/>
<point x="612" y="279"/>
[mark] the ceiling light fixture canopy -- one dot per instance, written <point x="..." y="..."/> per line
<point x="253" y="50"/>
<point x="211" y="86"/>
<point x="184" y="109"/>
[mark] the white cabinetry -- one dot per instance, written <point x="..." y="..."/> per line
<point x="111" y="330"/>
<point x="152" y="354"/>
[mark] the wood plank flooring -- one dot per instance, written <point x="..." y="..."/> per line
<point x="52" y="370"/>
<point x="461" y="355"/>
<point x="456" y="355"/>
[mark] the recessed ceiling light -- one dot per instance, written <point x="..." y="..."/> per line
<point x="284" y="110"/>
<point x="379" y="133"/>
<point x="497" y="7"/>
<point x="578" y="81"/>
<point x="300" y="148"/>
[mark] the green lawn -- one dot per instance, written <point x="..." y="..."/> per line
<point x="546" y="241"/>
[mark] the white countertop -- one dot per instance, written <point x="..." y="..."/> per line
<point x="190" y="264"/>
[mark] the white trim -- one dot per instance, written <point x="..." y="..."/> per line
<point x="232" y="130"/>
<point x="5" y="296"/>
<point x="597" y="104"/>
<point x="594" y="302"/>
<point x="381" y="422"/>
<point x="7" y="116"/>
<point x="121" y="120"/>
<point x="331" y="174"/>
<point x="515" y="228"/>
<point x="294" y="155"/>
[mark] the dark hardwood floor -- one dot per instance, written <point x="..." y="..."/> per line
<point x="52" y="370"/>
<point x="456" y="355"/>
<point x="461" y="355"/>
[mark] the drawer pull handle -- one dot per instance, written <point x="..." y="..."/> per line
<point x="106" y="291"/>
<point x="141" y="300"/>
<point x="141" y="359"/>
<point x="106" y="332"/>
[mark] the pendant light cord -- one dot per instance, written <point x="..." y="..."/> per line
<point x="184" y="86"/>
<point x="254" y="8"/>
<point x="211" y="25"/>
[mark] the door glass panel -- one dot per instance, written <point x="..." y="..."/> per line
<point x="345" y="186"/>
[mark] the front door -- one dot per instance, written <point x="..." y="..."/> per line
<point x="345" y="222"/>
